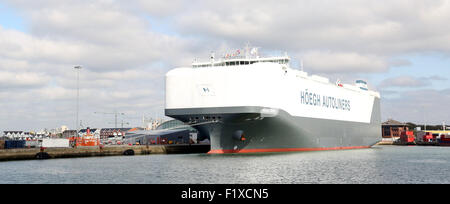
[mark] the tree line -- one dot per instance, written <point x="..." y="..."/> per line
<point x="413" y="126"/>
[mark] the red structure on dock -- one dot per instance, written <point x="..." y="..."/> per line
<point x="407" y="136"/>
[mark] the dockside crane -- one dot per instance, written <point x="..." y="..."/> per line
<point x="115" y="116"/>
<point x="123" y="123"/>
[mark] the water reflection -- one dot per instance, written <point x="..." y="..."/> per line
<point x="380" y="164"/>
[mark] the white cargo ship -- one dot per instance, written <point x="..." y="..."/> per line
<point x="247" y="103"/>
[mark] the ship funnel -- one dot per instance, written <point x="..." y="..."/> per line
<point x="362" y="85"/>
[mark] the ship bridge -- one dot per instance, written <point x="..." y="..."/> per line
<point x="236" y="59"/>
<point x="242" y="61"/>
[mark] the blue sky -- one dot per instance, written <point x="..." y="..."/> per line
<point x="402" y="48"/>
<point x="10" y="18"/>
<point x="426" y="65"/>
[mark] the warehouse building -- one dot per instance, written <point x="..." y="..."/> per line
<point x="393" y="129"/>
<point x="157" y="137"/>
<point x="106" y="133"/>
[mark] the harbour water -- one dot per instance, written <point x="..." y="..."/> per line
<point x="380" y="164"/>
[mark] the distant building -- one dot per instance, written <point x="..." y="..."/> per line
<point x="157" y="137"/>
<point x="106" y="133"/>
<point x="63" y="128"/>
<point x="393" y="128"/>
<point x="18" y="135"/>
<point x="174" y="124"/>
<point x="13" y="134"/>
<point x="179" y="125"/>
<point x="69" y="133"/>
<point x="93" y="131"/>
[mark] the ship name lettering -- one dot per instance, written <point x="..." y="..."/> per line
<point x="314" y="99"/>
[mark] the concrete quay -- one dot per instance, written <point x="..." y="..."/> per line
<point x="408" y="143"/>
<point x="385" y="143"/>
<point x="53" y="153"/>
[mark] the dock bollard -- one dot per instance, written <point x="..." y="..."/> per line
<point x="128" y="152"/>
<point x="42" y="154"/>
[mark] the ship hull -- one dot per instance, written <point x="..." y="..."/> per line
<point x="246" y="130"/>
<point x="269" y="107"/>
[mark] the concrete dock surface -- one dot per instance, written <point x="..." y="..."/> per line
<point x="116" y="150"/>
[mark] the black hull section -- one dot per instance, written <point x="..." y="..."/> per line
<point x="242" y="129"/>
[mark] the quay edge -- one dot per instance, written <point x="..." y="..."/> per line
<point x="54" y="153"/>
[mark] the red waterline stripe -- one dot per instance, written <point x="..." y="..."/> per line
<point x="227" y="151"/>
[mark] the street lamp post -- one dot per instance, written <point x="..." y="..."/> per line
<point x="78" y="94"/>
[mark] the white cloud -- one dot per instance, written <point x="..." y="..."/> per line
<point x="402" y="81"/>
<point x="409" y="81"/>
<point x="162" y="8"/>
<point x="417" y="106"/>
<point x="12" y="80"/>
<point x="330" y="62"/>
<point x="125" y="54"/>
<point x="377" y="27"/>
